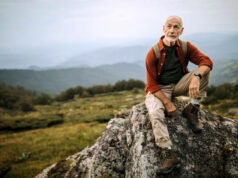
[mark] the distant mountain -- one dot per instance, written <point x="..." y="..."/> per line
<point x="58" y="56"/>
<point x="42" y="57"/>
<point x="225" y="70"/>
<point x="215" y="45"/>
<point x="56" y="80"/>
<point x="110" y="55"/>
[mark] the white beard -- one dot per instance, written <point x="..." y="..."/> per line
<point x="171" y="39"/>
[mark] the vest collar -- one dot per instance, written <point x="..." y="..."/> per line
<point x="161" y="44"/>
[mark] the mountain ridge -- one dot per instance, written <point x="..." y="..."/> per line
<point x="53" y="81"/>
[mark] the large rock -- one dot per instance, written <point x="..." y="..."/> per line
<point x="127" y="149"/>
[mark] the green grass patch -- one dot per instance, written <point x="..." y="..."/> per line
<point x="25" y="154"/>
<point x="20" y="123"/>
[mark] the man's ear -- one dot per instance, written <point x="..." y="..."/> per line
<point x="181" y="31"/>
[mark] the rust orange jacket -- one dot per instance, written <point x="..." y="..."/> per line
<point x="153" y="71"/>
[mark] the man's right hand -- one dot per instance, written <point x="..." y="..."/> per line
<point x="170" y="108"/>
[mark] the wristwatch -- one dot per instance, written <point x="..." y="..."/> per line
<point x="198" y="74"/>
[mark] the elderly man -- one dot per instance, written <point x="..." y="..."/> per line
<point x="167" y="77"/>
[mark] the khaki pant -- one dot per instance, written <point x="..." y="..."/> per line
<point x="156" y="108"/>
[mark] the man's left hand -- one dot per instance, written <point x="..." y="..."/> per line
<point x="194" y="87"/>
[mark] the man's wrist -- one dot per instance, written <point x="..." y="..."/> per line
<point x="166" y="101"/>
<point x="160" y="95"/>
<point x="197" y="74"/>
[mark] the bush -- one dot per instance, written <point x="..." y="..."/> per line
<point x="26" y="107"/>
<point x="79" y="91"/>
<point x="221" y="92"/>
<point x="224" y="91"/>
<point x="128" y="85"/>
<point x="66" y="95"/>
<point x="209" y="100"/>
<point x="120" y="85"/>
<point x="99" y="89"/>
<point x="12" y="97"/>
<point x="42" y="99"/>
<point x="8" y="100"/>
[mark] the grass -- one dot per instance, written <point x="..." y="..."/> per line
<point x="27" y="122"/>
<point x="26" y="153"/>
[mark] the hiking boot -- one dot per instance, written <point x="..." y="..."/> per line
<point x="169" y="164"/>
<point x="191" y="111"/>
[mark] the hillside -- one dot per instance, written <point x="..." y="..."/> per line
<point x="225" y="71"/>
<point x="56" y="80"/>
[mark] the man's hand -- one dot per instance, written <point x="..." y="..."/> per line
<point x="194" y="87"/>
<point x="170" y="108"/>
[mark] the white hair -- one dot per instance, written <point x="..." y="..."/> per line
<point x="175" y="16"/>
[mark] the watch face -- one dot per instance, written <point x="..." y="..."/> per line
<point x="198" y="74"/>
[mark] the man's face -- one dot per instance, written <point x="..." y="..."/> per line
<point x="172" y="29"/>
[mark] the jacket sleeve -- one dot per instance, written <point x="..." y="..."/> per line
<point x="197" y="57"/>
<point x="151" y="72"/>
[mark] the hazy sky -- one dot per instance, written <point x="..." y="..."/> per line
<point x="33" y="23"/>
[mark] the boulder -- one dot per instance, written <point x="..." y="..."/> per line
<point x="127" y="149"/>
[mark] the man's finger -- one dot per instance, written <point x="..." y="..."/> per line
<point x="190" y="93"/>
<point x="197" y="94"/>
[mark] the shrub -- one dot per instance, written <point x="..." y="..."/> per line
<point x="66" y="95"/>
<point x="135" y="91"/>
<point x="26" y="107"/>
<point x="79" y="91"/>
<point x="209" y="100"/>
<point x="42" y="99"/>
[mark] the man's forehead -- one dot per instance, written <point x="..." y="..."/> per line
<point x="173" y="20"/>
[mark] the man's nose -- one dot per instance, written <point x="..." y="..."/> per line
<point x="171" y="30"/>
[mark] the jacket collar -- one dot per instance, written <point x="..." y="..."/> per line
<point x="161" y="44"/>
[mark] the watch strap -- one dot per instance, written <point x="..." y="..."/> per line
<point x="198" y="74"/>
